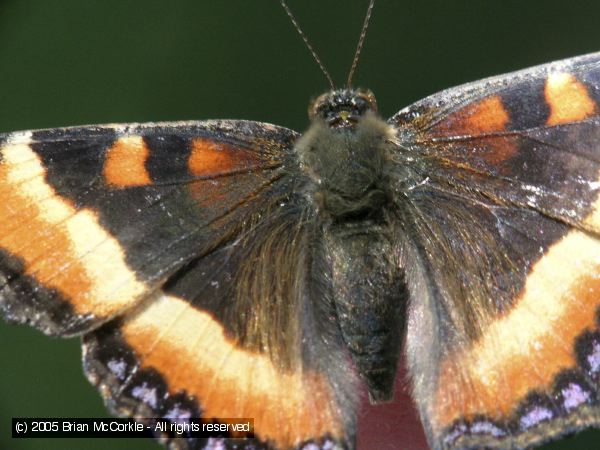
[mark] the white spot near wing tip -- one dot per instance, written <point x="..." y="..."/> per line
<point x="120" y="129"/>
<point x="21" y="137"/>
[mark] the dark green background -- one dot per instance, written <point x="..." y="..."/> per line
<point x="68" y="62"/>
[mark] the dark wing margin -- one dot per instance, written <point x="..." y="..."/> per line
<point x="500" y="195"/>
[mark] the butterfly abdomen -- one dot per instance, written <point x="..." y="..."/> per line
<point x="370" y="301"/>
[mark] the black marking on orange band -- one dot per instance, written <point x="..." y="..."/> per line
<point x="70" y="154"/>
<point x="167" y="149"/>
<point x="526" y="105"/>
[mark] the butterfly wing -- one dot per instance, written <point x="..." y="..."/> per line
<point x="153" y="242"/>
<point x="500" y="185"/>
<point x="94" y="218"/>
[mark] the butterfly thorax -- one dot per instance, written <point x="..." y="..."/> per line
<point x="345" y="154"/>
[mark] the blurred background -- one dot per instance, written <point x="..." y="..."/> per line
<point x="68" y="62"/>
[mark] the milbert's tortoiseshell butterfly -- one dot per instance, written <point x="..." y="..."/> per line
<point x="229" y="268"/>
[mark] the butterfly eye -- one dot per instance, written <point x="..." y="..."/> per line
<point x="365" y="101"/>
<point x="317" y="107"/>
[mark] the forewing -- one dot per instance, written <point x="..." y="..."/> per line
<point x="94" y="219"/>
<point x="498" y="187"/>
<point x="527" y="138"/>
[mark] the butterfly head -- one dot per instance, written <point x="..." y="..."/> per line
<point x="342" y="108"/>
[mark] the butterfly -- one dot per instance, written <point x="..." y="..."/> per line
<point x="286" y="269"/>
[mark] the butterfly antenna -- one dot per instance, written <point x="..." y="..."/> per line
<point x="361" y="41"/>
<point x="305" y="39"/>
